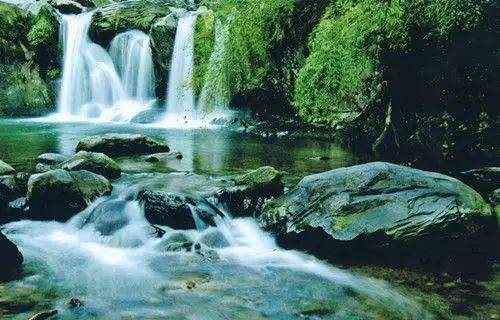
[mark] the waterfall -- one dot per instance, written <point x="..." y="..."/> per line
<point x="131" y="52"/>
<point x="91" y="86"/>
<point x="215" y="92"/>
<point x="180" y="93"/>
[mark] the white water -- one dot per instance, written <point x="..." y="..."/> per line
<point x="180" y="94"/>
<point x="118" y="274"/>
<point x="131" y="53"/>
<point x="215" y="92"/>
<point x="91" y="88"/>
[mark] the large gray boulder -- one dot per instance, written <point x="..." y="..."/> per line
<point x="11" y="259"/>
<point x="6" y="169"/>
<point x="94" y="162"/>
<point x="59" y="194"/>
<point x="119" y="144"/>
<point x="374" y="205"/>
<point x="251" y="191"/>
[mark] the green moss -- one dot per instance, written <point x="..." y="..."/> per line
<point x="341" y="77"/>
<point x="45" y="30"/>
<point x="203" y="47"/>
<point x="257" y="27"/>
<point x="23" y="92"/>
<point x="14" y="25"/>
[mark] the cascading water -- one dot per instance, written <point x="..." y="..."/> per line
<point x="91" y="87"/>
<point x="131" y="52"/>
<point x="215" y="92"/>
<point x="110" y="257"/>
<point x="180" y="93"/>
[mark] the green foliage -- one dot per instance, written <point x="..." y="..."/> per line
<point x="342" y="75"/>
<point x="203" y="46"/>
<point x="257" y="27"/>
<point x="45" y="30"/>
<point x="14" y="25"/>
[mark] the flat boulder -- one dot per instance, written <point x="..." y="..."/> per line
<point x="6" y="169"/>
<point x="94" y="162"/>
<point x="375" y="205"/>
<point x="11" y="258"/>
<point x="59" y="194"/>
<point x="251" y="191"/>
<point x="119" y="144"/>
<point x="51" y="158"/>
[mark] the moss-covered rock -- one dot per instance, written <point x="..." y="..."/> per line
<point x="117" y="17"/>
<point x="23" y="92"/>
<point x="162" y="37"/>
<point x="14" y="26"/>
<point x="43" y="38"/>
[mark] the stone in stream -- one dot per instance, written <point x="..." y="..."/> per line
<point x="376" y="205"/>
<point x="67" y="6"/>
<point x="251" y="191"/>
<point x="51" y="158"/>
<point x="46" y="315"/>
<point x="12" y="187"/>
<point x="175" y="210"/>
<point x="175" y="242"/>
<point x="119" y="144"/>
<point x="157" y="157"/>
<point x="109" y="217"/>
<point x="59" y="194"/>
<point x="6" y="169"/>
<point x="10" y="257"/>
<point x="94" y="162"/>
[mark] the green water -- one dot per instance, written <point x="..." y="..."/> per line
<point x="187" y="287"/>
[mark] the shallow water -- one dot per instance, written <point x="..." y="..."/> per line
<point x="242" y="275"/>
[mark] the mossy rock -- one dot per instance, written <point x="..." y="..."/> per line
<point x="118" y="17"/>
<point x="14" y="26"/>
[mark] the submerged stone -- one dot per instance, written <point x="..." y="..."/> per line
<point x="94" y="162"/>
<point x="119" y="144"/>
<point x="6" y="169"/>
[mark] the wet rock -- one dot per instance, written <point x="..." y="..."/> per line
<point x="67" y="6"/>
<point x="175" y="242"/>
<point x="483" y="180"/>
<point x="251" y="191"/>
<point x="46" y="315"/>
<point x="157" y="157"/>
<point x="109" y="217"/>
<point x="6" y="169"/>
<point x="214" y="239"/>
<point x="16" y="210"/>
<point x="118" y="17"/>
<point x="51" y="158"/>
<point x="94" y="162"/>
<point x="10" y="189"/>
<point x="148" y="116"/>
<point x="11" y="258"/>
<point x="117" y="144"/>
<point x="162" y="35"/>
<point x="495" y="197"/>
<point x="75" y="303"/>
<point x="176" y="211"/>
<point x="375" y="204"/>
<point x="59" y="194"/>
<point x="41" y="167"/>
